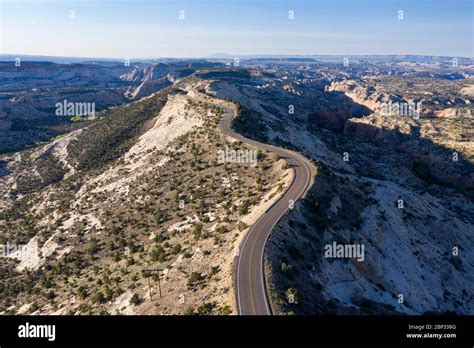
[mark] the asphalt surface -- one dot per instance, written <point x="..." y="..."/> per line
<point x="250" y="277"/>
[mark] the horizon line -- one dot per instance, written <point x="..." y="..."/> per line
<point x="230" y="56"/>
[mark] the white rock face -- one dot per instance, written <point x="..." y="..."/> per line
<point x="173" y="121"/>
<point x="406" y="258"/>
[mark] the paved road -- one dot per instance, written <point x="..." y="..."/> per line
<point x="250" y="278"/>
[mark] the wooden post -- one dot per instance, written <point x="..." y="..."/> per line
<point x="159" y="283"/>
<point x="149" y="288"/>
<point x="149" y="282"/>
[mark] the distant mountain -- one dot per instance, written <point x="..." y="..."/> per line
<point x="332" y="58"/>
<point x="57" y="59"/>
<point x="28" y="94"/>
<point x="226" y="56"/>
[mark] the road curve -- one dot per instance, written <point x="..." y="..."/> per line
<point x="250" y="277"/>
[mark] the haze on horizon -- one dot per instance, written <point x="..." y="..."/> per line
<point x="186" y="29"/>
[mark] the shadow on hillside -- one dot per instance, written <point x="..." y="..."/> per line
<point x="432" y="162"/>
<point x="300" y="240"/>
<point x="295" y="248"/>
<point x="340" y="109"/>
<point x="4" y="168"/>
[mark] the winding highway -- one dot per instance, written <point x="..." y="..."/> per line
<point x="250" y="276"/>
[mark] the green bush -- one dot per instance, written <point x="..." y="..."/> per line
<point x="135" y="300"/>
<point x="158" y="254"/>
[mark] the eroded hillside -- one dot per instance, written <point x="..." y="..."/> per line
<point x="401" y="187"/>
<point x="31" y="91"/>
<point x="141" y="189"/>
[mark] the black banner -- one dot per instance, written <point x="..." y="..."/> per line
<point x="222" y="331"/>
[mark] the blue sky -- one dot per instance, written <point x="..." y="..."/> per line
<point x="149" y="29"/>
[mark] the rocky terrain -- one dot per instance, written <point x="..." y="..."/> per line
<point x="401" y="187"/>
<point x="446" y="119"/>
<point x="102" y="201"/>
<point x="437" y="97"/>
<point x="139" y="190"/>
<point x="29" y="93"/>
